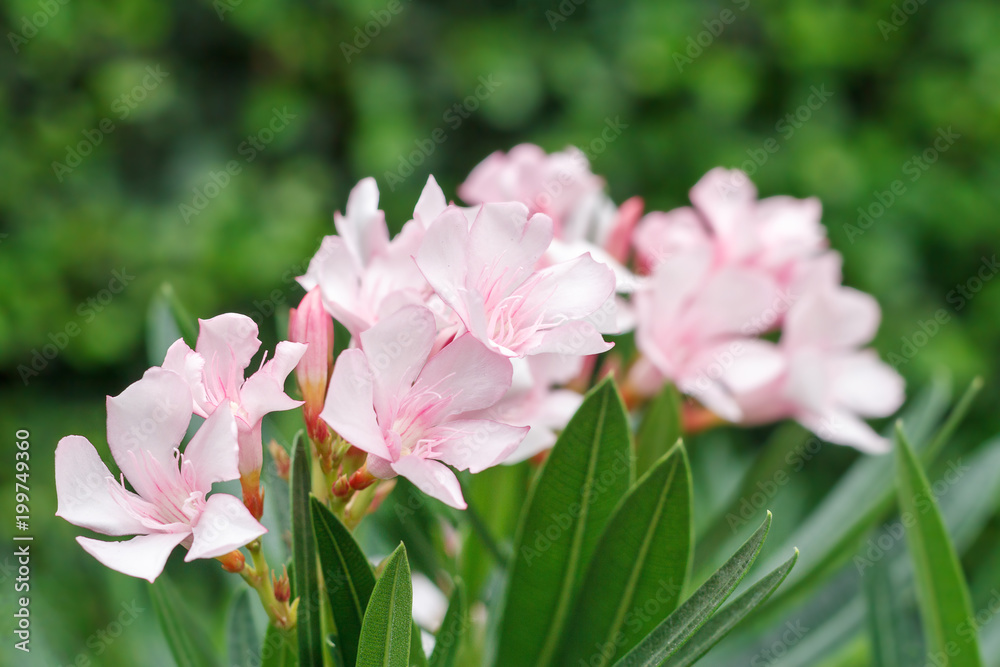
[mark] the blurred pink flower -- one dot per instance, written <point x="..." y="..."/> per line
<point x="817" y="374"/>
<point x="486" y="272"/>
<point x="312" y="325"/>
<point x="146" y="424"/>
<point x="215" y="370"/>
<point x="394" y="400"/>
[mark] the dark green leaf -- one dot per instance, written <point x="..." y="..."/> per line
<point x="242" y="638"/>
<point x="677" y="628"/>
<point x="453" y="627"/>
<point x="304" y="558"/>
<point x="388" y="623"/>
<point x="945" y="605"/>
<point x="186" y="637"/>
<point x="643" y="560"/>
<point x="586" y="474"/>
<point x="886" y="615"/>
<point x="719" y="625"/>
<point x="660" y="429"/>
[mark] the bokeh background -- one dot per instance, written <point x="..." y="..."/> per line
<point x="117" y="117"/>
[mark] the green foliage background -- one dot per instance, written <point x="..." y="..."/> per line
<point x="561" y="73"/>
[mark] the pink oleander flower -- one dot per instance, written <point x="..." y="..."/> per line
<point x="215" y="371"/>
<point x="399" y="403"/>
<point x="361" y="274"/>
<point x="312" y="325"/>
<point x="690" y="314"/>
<point x="536" y="401"/>
<point x="551" y="184"/>
<point x="817" y="374"/>
<point x="486" y="272"/>
<point x="146" y="424"/>
<point x="779" y="235"/>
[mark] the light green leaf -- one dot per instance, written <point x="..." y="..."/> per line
<point x="242" y="638"/>
<point x="449" y="637"/>
<point x="676" y="629"/>
<point x="304" y="558"/>
<point x="886" y="615"/>
<point x="388" y="622"/>
<point x="186" y="637"/>
<point x="280" y="648"/>
<point x="644" y="557"/>
<point x="660" y="429"/>
<point x="719" y="625"/>
<point x="945" y="606"/>
<point x="586" y="474"/>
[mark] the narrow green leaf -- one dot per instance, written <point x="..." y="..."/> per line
<point x="719" y="625"/>
<point x="885" y="615"/>
<point x="677" y="628"/>
<point x="186" y="637"/>
<point x="642" y="561"/>
<point x="660" y="429"/>
<point x="304" y="558"/>
<point x="347" y="575"/>
<point x="388" y="621"/>
<point x="242" y="638"/>
<point x="945" y="606"/>
<point x="587" y="472"/>
<point x="453" y="627"/>
<point x="280" y="649"/>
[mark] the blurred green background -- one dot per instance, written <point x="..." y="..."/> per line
<point x="119" y="119"/>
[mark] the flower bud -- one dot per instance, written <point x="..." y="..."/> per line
<point x="253" y="495"/>
<point x="311" y="324"/>
<point x="233" y="561"/>
<point x="282" y="587"/>
<point x="282" y="462"/>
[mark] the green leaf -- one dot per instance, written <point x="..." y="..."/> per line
<point x="644" y="557"/>
<point x="677" y="628"/>
<point x="453" y="627"/>
<point x="886" y="615"/>
<point x="279" y="649"/>
<point x="186" y="637"/>
<point x="719" y="625"/>
<point x="304" y="558"/>
<point x="388" y="621"/>
<point x="660" y="429"/>
<point x="161" y="329"/>
<point x="348" y="577"/>
<point x="242" y="638"/>
<point x="587" y="472"/>
<point x="945" y="606"/>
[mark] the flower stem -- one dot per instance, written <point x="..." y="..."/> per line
<point x="258" y="576"/>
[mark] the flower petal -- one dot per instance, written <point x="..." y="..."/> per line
<point x="213" y="452"/>
<point x="504" y="247"/>
<point x="190" y="365"/>
<point x="82" y="482"/>
<point x="396" y="349"/>
<point x="227" y="342"/>
<point x="843" y="428"/>
<point x="864" y="384"/>
<point x="349" y="407"/>
<point x="835" y="317"/>
<point x="442" y="259"/>
<point x="363" y="228"/>
<point x="466" y="374"/>
<point x="225" y="524"/>
<point x="433" y="478"/>
<point x="475" y="444"/>
<point x="143" y="556"/>
<point x="431" y="203"/>
<point x="264" y="391"/>
<point x="149" y="418"/>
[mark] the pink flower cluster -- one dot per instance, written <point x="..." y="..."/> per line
<point x="169" y="502"/>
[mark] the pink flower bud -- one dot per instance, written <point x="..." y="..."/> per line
<point x="311" y="324"/>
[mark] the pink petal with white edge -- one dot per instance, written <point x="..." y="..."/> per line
<point x="726" y="198"/>
<point x="465" y="374"/>
<point x="396" y="349"/>
<point x="573" y="338"/>
<point x="504" y="247"/>
<point x="865" y="385"/>
<point x="143" y="556"/>
<point x="225" y="524"/>
<point x="190" y="365"/>
<point x="228" y="343"/>
<point x="431" y="203"/>
<point x="82" y="482"/>
<point x="835" y="317"/>
<point x="363" y="228"/>
<point x="475" y="444"/>
<point x="442" y="259"/>
<point x="213" y="452"/>
<point x="570" y="290"/>
<point x="433" y="478"/>
<point x="843" y="428"/>
<point x="751" y="365"/>
<point x="264" y="391"/>
<point x="349" y="408"/>
<point x="735" y="301"/>
<point x="149" y="418"/>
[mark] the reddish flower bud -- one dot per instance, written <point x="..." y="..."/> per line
<point x="282" y="462"/>
<point x="311" y="324"/>
<point x="281" y="585"/>
<point x="232" y="561"/>
<point x="253" y="495"/>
